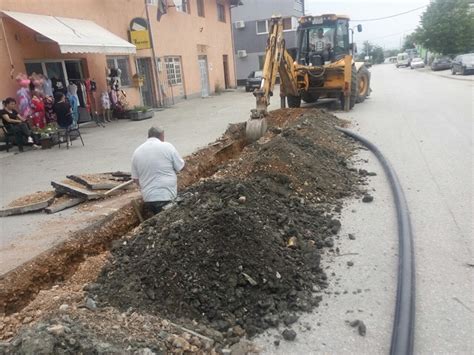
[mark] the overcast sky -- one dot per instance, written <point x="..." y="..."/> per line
<point x="386" y="33"/>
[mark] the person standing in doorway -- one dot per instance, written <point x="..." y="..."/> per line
<point x="154" y="167"/>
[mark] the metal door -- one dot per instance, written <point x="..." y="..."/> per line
<point x="147" y="90"/>
<point x="202" y="60"/>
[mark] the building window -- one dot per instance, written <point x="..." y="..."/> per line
<point x="34" y="68"/>
<point x="262" y="27"/>
<point x="287" y="25"/>
<point x="200" y="8"/>
<point x="173" y="70"/>
<point x="63" y="70"/>
<point x="123" y="64"/>
<point x="220" y="12"/>
<point x="182" y="6"/>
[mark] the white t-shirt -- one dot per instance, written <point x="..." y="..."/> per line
<point x="155" y="164"/>
<point x="320" y="44"/>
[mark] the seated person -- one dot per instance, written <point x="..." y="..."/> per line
<point x="63" y="111"/>
<point x="15" y="124"/>
<point x="322" y="44"/>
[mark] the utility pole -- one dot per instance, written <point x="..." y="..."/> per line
<point x="234" y="66"/>
<point x="154" y="66"/>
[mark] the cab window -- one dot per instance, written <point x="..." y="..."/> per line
<point x="341" y="40"/>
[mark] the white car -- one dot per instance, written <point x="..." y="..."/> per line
<point x="417" y="63"/>
<point x="402" y="60"/>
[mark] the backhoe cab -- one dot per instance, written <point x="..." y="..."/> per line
<point x="324" y="62"/>
<point x="323" y="68"/>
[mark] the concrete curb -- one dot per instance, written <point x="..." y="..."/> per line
<point x="449" y="76"/>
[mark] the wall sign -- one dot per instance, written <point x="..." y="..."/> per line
<point x="139" y="33"/>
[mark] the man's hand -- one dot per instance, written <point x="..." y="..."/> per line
<point x="136" y="181"/>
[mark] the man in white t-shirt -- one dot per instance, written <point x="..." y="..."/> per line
<point x="321" y="42"/>
<point x="154" y="167"/>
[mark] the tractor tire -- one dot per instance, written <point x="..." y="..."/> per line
<point x="309" y="98"/>
<point x="354" y="87"/>
<point x="363" y="84"/>
<point x="294" y="101"/>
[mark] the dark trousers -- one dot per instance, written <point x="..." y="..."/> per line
<point x="21" y="133"/>
<point x="156" y="206"/>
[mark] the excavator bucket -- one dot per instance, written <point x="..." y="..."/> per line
<point x="255" y="128"/>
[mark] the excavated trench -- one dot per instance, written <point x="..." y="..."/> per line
<point x="239" y="255"/>
<point x="19" y="286"/>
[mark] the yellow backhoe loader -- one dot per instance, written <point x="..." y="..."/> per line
<point x="323" y="67"/>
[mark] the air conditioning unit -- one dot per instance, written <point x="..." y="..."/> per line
<point x="242" y="53"/>
<point x="240" y="24"/>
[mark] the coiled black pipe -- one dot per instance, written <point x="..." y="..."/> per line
<point x="403" y="332"/>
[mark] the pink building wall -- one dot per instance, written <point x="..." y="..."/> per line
<point x="177" y="34"/>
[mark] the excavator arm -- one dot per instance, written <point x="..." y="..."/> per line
<point x="277" y="61"/>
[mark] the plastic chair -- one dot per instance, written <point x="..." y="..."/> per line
<point x="66" y="132"/>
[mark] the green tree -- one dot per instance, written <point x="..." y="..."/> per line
<point x="391" y="53"/>
<point x="377" y="55"/>
<point x="410" y="41"/>
<point x="373" y="51"/>
<point x="447" y="27"/>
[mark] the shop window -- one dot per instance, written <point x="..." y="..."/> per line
<point x="55" y="70"/>
<point x="34" y="68"/>
<point x="220" y="12"/>
<point x="61" y="70"/>
<point x="200" y="8"/>
<point x="123" y="64"/>
<point x="262" y="27"/>
<point x="74" y="69"/>
<point x="173" y="70"/>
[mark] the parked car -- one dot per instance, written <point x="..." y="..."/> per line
<point x="417" y="63"/>
<point x="463" y="64"/>
<point x="441" y="63"/>
<point x="412" y="53"/>
<point x="254" y="81"/>
<point x="402" y="60"/>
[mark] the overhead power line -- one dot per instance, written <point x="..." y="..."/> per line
<point x="390" y="35"/>
<point x="391" y="16"/>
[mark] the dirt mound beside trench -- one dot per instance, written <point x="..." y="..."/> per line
<point x="308" y="151"/>
<point x="221" y="261"/>
<point x="243" y="249"/>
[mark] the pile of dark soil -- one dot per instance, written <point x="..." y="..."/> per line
<point x="234" y="253"/>
<point x="243" y="249"/>
<point x="309" y="151"/>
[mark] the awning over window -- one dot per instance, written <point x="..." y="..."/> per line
<point x="74" y="35"/>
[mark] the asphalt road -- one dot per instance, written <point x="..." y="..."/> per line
<point x="423" y="122"/>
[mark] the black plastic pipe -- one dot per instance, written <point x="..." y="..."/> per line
<point x="403" y="332"/>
